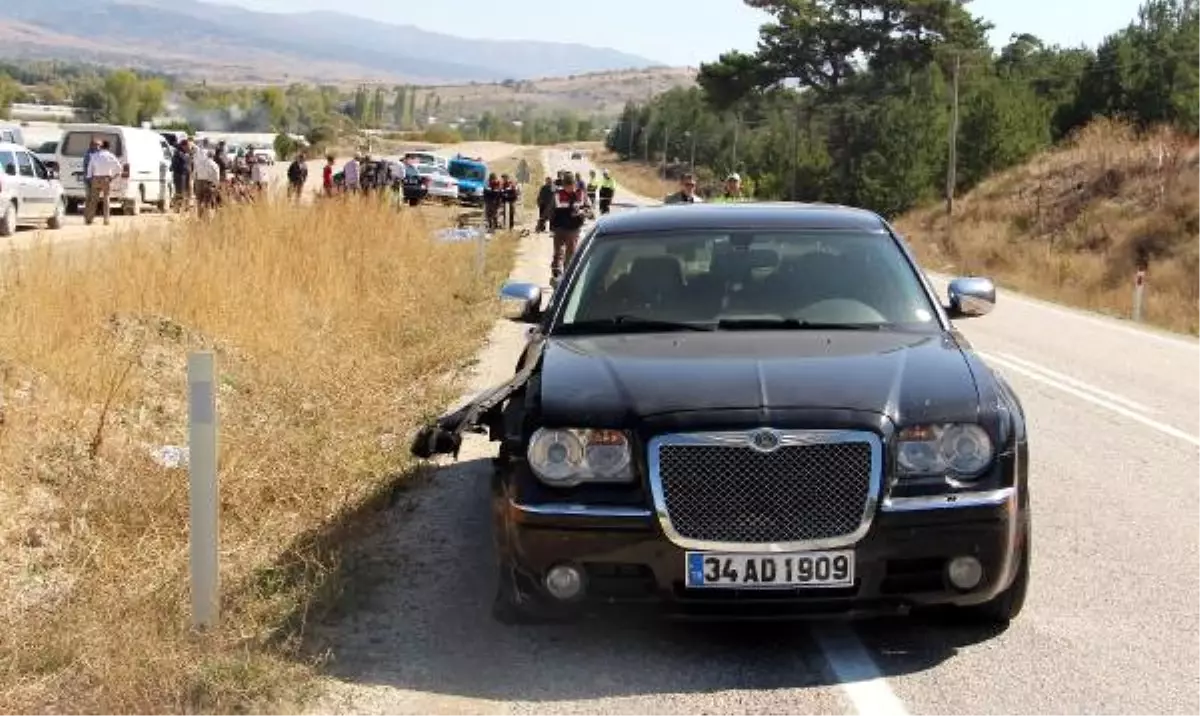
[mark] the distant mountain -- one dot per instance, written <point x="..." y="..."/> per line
<point x="235" y="43"/>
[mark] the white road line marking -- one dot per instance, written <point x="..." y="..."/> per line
<point x="856" y="672"/>
<point x="1132" y="405"/>
<point x="1114" y="407"/>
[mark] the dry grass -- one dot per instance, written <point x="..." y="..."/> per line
<point x="591" y="94"/>
<point x="632" y="175"/>
<point x="337" y="327"/>
<point x="1071" y="225"/>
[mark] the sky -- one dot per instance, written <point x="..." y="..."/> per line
<point x="686" y="32"/>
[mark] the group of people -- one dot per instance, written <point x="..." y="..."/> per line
<point x="501" y="193"/>
<point x="361" y="173"/>
<point x="209" y="176"/>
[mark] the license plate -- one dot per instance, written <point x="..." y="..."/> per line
<point x="767" y="571"/>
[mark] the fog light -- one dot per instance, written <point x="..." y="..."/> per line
<point x="964" y="572"/>
<point x="564" y="582"/>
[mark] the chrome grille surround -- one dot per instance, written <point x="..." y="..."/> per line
<point x="857" y="508"/>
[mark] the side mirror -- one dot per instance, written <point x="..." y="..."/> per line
<point x="51" y="173"/>
<point x="526" y="298"/>
<point x="971" y="296"/>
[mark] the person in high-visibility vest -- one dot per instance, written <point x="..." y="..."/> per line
<point x="733" y="190"/>
<point x="608" y="189"/>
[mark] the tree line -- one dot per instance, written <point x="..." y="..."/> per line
<point x="864" y="102"/>
<point x="320" y="112"/>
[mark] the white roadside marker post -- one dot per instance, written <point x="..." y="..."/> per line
<point x="202" y="474"/>
<point x="1139" y="292"/>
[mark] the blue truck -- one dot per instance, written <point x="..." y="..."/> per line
<point x="472" y="174"/>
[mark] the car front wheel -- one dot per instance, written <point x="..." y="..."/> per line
<point x="60" y="212"/>
<point x="8" y="219"/>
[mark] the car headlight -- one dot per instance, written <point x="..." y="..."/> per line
<point x="959" y="450"/>
<point x="570" y="457"/>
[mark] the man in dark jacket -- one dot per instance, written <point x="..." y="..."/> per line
<point x="686" y="193"/>
<point x="510" y="193"/>
<point x="297" y="174"/>
<point x="545" y="203"/>
<point x="181" y="174"/>
<point x="491" y="202"/>
<point x="566" y="221"/>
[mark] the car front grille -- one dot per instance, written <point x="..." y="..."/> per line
<point x="815" y="489"/>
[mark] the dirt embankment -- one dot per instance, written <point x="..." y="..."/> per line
<point x="1074" y="224"/>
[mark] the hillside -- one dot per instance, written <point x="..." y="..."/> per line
<point x="599" y="93"/>
<point x="221" y="43"/>
<point x="1073" y="224"/>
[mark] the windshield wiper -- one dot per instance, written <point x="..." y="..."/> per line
<point x="794" y="324"/>
<point x="629" y="322"/>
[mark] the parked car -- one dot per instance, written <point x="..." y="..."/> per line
<point x="471" y="173"/>
<point x="427" y="156"/>
<point x="48" y="153"/>
<point x="30" y="193"/>
<point x="12" y="133"/>
<point x="145" y="154"/>
<point x="752" y="410"/>
<point x="423" y="181"/>
<point x="265" y="154"/>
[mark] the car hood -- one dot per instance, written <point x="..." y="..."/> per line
<point x="613" y="380"/>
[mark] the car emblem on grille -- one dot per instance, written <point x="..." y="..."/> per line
<point x="765" y="440"/>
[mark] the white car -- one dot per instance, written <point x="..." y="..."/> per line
<point x="438" y="182"/>
<point x="30" y="193"/>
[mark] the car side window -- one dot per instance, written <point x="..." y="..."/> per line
<point x="8" y="159"/>
<point x="25" y="164"/>
<point x="39" y="169"/>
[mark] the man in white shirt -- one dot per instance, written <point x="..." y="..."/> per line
<point x="350" y="175"/>
<point x="258" y="173"/>
<point x="102" y="169"/>
<point x="206" y="174"/>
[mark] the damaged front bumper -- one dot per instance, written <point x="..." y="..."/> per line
<point x="478" y="415"/>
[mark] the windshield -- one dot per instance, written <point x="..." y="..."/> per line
<point x="458" y="170"/>
<point x="751" y="280"/>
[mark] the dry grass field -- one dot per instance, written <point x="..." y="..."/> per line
<point x="1073" y="224"/>
<point x="598" y="93"/>
<point x="633" y="175"/>
<point x="337" y="327"/>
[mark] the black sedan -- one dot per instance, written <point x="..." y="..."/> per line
<point x="752" y="410"/>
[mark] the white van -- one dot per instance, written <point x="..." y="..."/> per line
<point x="146" y="178"/>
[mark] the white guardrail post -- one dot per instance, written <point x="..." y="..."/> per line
<point x="1139" y="293"/>
<point x="202" y="473"/>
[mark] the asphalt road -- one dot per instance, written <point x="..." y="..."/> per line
<point x="1110" y="625"/>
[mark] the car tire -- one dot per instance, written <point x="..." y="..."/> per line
<point x="8" y="220"/>
<point x="1005" y="606"/>
<point x="164" y="200"/>
<point x="56" y="221"/>
<point x="132" y="207"/>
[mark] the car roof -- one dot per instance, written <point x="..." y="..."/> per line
<point x="749" y="215"/>
<point x="10" y="146"/>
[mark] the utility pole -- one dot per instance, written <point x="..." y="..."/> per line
<point x="632" y="134"/>
<point x="666" y="148"/>
<point x="736" y="127"/>
<point x="692" y="158"/>
<point x="952" y="166"/>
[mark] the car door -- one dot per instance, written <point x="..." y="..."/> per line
<point x="48" y="185"/>
<point x="10" y="179"/>
<point x="35" y="193"/>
